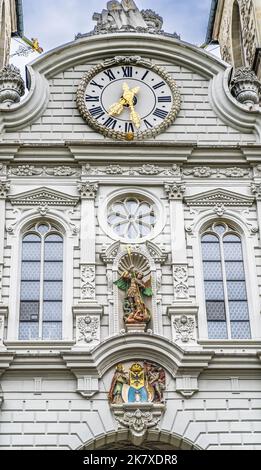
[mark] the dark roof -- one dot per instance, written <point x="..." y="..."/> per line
<point x="20" y="20"/>
<point x="211" y="21"/>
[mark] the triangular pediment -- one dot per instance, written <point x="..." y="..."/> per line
<point x="219" y="196"/>
<point x="43" y="196"/>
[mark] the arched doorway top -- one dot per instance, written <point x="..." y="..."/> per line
<point x="153" y="440"/>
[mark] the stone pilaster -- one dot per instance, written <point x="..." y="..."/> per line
<point x="4" y="188"/>
<point x="256" y="190"/>
<point x="175" y="192"/>
<point x="87" y="314"/>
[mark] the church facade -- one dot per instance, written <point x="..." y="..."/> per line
<point x="130" y="272"/>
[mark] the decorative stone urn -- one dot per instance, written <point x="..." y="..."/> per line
<point x="11" y="85"/>
<point x="245" y="86"/>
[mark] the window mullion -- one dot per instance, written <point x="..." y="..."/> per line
<point x="41" y="290"/>
<point x="223" y="264"/>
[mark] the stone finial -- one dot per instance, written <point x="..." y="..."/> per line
<point x="245" y="86"/>
<point x="11" y="85"/>
<point x="175" y="190"/>
<point x="88" y="189"/>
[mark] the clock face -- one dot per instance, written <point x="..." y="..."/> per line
<point x="128" y="101"/>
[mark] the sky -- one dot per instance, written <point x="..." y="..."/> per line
<point x="56" y="22"/>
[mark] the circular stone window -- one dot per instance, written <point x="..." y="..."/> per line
<point x="132" y="218"/>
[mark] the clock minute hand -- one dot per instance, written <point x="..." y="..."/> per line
<point x="129" y="95"/>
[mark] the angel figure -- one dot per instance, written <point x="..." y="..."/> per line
<point x="132" y="282"/>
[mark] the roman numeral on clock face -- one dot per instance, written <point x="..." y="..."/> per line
<point x="159" y="85"/>
<point x="164" y="99"/>
<point x="96" y="84"/>
<point x="110" y="123"/>
<point x="129" y="127"/>
<point x="160" y="113"/>
<point x="91" y="98"/>
<point x="127" y="71"/>
<point x="97" y="112"/>
<point x="110" y="75"/>
<point x="147" y="124"/>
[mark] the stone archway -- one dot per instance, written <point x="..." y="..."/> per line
<point x="153" y="440"/>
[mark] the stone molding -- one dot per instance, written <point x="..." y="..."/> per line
<point x="43" y="197"/>
<point x="115" y="170"/>
<point x="219" y="196"/>
<point x="32" y="170"/>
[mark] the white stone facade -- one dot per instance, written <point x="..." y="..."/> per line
<point x="204" y="168"/>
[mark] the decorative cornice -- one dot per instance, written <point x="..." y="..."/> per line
<point x="218" y="197"/>
<point x="43" y="197"/>
<point x="175" y="191"/>
<point x="88" y="189"/>
<point x="148" y="169"/>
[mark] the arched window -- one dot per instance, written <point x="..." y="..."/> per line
<point x="41" y="291"/>
<point x="225" y="285"/>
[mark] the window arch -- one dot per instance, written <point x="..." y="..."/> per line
<point x="41" y="285"/>
<point x="225" y="283"/>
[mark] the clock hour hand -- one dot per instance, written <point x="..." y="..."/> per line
<point x="116" y="108"/>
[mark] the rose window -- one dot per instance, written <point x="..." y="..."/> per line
<point x="132" y="218"/>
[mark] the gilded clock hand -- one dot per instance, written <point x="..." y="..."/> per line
<point x="116" y="108"/>
<point x="129" y="95"/>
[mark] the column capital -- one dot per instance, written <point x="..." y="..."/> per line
<point x="256" y="190"/>
<point x="4" y="188"/>
<point x="175" y="191"/>
<point x="88" y="189"/>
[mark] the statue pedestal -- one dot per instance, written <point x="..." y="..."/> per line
<point x="133" y="328"/>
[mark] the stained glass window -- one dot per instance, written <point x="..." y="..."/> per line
<point x="41" y="287"/>
<point x="225" y="284"/>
